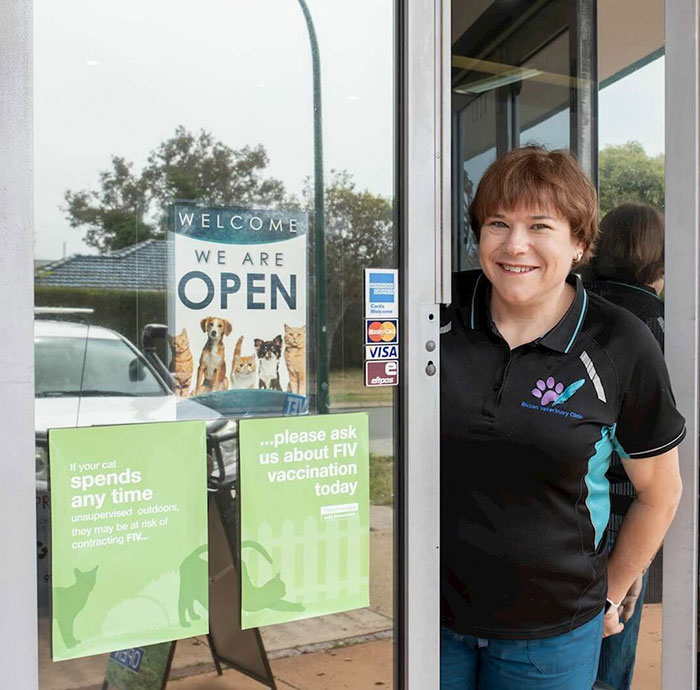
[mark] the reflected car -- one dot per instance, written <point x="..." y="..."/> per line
<point x="87" y="375"/>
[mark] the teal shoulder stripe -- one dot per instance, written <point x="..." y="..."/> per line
<point x="598" y="499"/>
<point x="580" y="321"/>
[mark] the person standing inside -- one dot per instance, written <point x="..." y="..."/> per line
<point x="628" y="270"/>
<point x="540" y="382"/>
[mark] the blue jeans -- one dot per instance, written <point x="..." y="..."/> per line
<point x="564" y="662"/>
<point x="618" y="652"/>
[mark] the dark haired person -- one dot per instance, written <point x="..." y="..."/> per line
<point x="540" y="382"/>
<point x="628" y="270"/>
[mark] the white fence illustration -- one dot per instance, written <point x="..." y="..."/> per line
<point x="320" y="562"/>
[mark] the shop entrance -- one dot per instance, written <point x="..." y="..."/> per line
<point x="354" y="134"/>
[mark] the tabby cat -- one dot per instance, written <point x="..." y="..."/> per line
<point x="181" y="364"/>
<point x="269" y="353"/>
<point x="68" y="602"/>
<point x="295" y="358"/>
<point x="243" y="369"/>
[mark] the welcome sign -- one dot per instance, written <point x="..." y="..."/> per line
<point x="304" y="492"/>
<point x="238" y="304"/>
<point x="129" y="536"/>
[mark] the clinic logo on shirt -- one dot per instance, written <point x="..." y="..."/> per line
<point x="550" y="391"/>
<point x="551" y="394"/>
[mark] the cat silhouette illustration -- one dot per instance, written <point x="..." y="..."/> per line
<point x="68" y="602"/>
<point x="269" y="595"/>
<point x="194" y="586"/>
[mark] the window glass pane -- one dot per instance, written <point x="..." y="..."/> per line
<point x="143" y="109"/>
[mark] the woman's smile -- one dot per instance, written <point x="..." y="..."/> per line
<point x="516" y="269"/>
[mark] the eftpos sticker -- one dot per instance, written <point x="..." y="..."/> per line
<point x="381" y="293"/>
<point x="381" y="331"/>
<point x="382" y="373"/>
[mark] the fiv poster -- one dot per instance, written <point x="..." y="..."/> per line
<point x="304" y="492"/>
<point x="129" y="532"/>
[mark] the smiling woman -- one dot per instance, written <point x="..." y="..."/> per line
<point x="559" y="380"/>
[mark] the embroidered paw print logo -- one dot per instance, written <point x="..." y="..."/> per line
<point x="548" y="391"/>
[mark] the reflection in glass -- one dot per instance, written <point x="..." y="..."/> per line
<point x="181" y="112"/>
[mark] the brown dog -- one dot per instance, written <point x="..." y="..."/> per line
<point x="211" y="375"/>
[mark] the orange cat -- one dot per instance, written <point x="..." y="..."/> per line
<point x="295" y="358"/>
<point x="244" y="369"/>
<point x="181" y="364"/>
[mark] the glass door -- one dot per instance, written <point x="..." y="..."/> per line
<point x="589" y="78"/>
<point x="160" y="131"/>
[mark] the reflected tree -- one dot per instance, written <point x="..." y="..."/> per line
<point x="128" y="207"/>
<point x="112" y="215"/>
<point x="627" y="173"/>
<point x="359" y="235"/>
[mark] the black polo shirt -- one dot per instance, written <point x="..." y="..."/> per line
<point x="526" y="440"/>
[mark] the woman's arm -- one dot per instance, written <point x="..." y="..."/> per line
<point x="657" y="482"/>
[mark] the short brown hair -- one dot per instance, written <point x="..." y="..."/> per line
<point x="537" y="178"/>
<point x="631" y="244"/>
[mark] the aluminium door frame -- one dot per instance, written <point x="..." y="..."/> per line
<point x="426" y="263"/>
<point x="682" y="111"/>
<point x="18" y="633"/>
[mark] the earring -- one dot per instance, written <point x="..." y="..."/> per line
<point x="578" y="257"/>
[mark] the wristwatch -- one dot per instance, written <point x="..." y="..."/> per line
<point x="610" y="604"/>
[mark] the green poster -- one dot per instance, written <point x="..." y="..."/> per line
<point x="129" y="536"/>
<point x="304" y="517"/>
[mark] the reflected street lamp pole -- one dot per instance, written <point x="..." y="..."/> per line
<point x="319" y="225"/>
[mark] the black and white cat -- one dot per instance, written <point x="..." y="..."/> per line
<point x="269" y="353"/>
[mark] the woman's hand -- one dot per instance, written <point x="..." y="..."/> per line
<point x="611" y="622"/>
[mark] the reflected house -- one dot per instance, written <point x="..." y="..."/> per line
<point x="126" y="288"/>
<point x="141" y="266"/>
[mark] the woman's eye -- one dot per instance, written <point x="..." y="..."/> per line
<point x="540" y="226"/>
<point x="497" y="224"/>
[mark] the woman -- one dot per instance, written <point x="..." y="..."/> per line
<point x="629" y="271"/>
<point x="540" y="382"/>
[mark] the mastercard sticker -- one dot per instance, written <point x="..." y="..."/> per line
<point x="379" y="332"/>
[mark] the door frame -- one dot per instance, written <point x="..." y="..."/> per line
<point x="426" y="263"/>
<point x="18" y="595"/>
<point x="682" y="154"/>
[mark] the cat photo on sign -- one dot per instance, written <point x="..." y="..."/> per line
<point x="181" y="364"/>
<point x="243" y="369"/>
<point x="295" y="358"/>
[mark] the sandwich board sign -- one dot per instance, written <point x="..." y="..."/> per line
<point x="129" y="536"/>
<point x="237" y="310"/>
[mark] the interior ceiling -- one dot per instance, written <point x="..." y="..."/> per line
<point x="628" y="30"/>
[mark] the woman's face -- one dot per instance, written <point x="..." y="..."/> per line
<point x="527" y="253"/>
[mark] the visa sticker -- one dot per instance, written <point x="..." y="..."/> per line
<point x="374" y="352"/>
